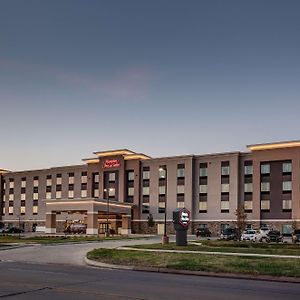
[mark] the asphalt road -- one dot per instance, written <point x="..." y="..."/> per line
<point x="20" y="280"/>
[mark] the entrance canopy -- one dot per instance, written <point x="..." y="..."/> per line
<point x="91" y="205"/>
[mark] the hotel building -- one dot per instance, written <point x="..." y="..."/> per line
<point x="123" y="188"/>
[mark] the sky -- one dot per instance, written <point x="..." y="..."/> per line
<point x="159" y="77"/>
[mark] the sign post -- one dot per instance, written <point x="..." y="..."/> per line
<point x="181" y="221"/>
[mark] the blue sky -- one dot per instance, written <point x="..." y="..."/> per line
<point x="160" y="77"/>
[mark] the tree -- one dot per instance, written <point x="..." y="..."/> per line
<point x="294" y="224"/>
<point x="150" y="221"/>
<point x="241" y="218"/>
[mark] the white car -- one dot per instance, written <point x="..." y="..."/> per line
<point x="248" y="235"/>
<point x="262" y="234"/>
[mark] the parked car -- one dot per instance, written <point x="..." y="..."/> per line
<point x="261" y="236"/>
<point x="248" y="235"/>
<point x="296" y="236"/>
<point x="203" y="232"/>
<point x="13" y="230"/>
<point x="75" y="228"/>
<point x="229" y="234"/>
<point x="274" y="236"/>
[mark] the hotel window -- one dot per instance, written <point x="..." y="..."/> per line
<point x="36" y="181"/>
<point x="203" y="189"/>
<point x="224" y="206"/>
<point x="10" y="210"/>
<point x="3" y="210"/>
<point x="287" y="167"/>
<point x="96" y="177"/>
<point x="35" y="196"/>
<point x="71" y="178"/>
<point x="265" y="169"/>
<point x="161" y="207"/>
<point x="203" y="170"/>
<point x="248" y="170"/>
<point x="35" y="210"/>
<point x="23" y="182"/>
<point x="83" y="193"/>
<point x="111" y="192"/>
<point x="265" y="205"/>
<point x="225" y="187"/>
<point x="181" y="171"/>
<point x="95" y="185"/>
<point x="202" y="206"/>
<point x="58" y="179"/>
<point x="180" y="189"/>
<point x="224" y="226"/>
<point x="11" y="197"/>
<point x="180" y="204"/>
<point x="146" y="175"/>
<point x="49" y="180"/>
<point x="48" y="191"/>
<point x="71" y="191"/>
<point x="162" y="190"/>
<point x="286" y="186"/>
<point x="48" y="195"/>
<point x="248" y="206"/>
<point x="22" y="209"/>
<point x="265" y="186"/>
<point x="146" y="191"/>
<point x="130" y="175"/>
<point x="225" y="168"/>
<point x="130" y="191"/>
<point x="23" y="196"/>
<point x="287" y="229"/>
<point x="58" y="195"/>
<point x="83" y="177"/>
<point x="248" y="188"/>
<point x="11" y="183"/>
<point x="145" y="208"/>
<point x="83" y="190"/>
<point x="112" y="177"/>
<point x="162" y="172"/>
<point x="286" y="205"/>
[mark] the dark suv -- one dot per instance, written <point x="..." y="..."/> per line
<point x="229" y="234"/>
<point x="203" y="232"/>
<point x="274" y="236"/>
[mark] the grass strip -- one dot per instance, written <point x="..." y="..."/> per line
<point x="198" y="262"/>
<point x="234" y="247"/>
<point x="8" y="239"/>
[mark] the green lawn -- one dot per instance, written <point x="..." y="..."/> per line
<point x="6" y="239"/>
<point x="198" y="262"/>
<point x="228" y="246"/>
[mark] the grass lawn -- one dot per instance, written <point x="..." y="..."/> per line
<point x="198" y="262"/>
<point x="231" y="246"/>
<point x="6" y="239"/>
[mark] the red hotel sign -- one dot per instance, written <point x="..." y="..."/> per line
<point x="111" y="163"/>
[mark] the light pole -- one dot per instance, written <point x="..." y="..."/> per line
<point x="165" y="238"/>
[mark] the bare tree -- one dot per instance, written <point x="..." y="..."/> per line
<point x="241" y="218"/>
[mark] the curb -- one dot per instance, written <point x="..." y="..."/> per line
<point x="195" y="273"/>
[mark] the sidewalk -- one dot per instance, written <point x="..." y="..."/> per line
<point x="211" y="253"/>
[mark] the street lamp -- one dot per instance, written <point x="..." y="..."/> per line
<point x="107" y="210"/>
<point x="165" y="238"/>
